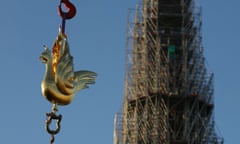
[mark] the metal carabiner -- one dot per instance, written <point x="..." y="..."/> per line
<point x="71" y="9"/>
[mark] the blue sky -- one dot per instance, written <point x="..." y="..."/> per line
<point x="97" y="42"/>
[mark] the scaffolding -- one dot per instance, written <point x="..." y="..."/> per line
<point x="168" y="95"/>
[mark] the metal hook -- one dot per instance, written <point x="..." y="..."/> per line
<point x="71" y="9"/>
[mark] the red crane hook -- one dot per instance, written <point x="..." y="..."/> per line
<point x="71" y="9"/>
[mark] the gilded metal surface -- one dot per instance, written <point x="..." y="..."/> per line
<point x="60" y="82"/>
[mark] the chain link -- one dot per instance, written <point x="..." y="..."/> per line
<point x="52" y="116"/>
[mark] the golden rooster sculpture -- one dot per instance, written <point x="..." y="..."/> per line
<point x="60" y="82"/>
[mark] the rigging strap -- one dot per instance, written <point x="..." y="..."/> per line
<point x="71" y="12"/>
